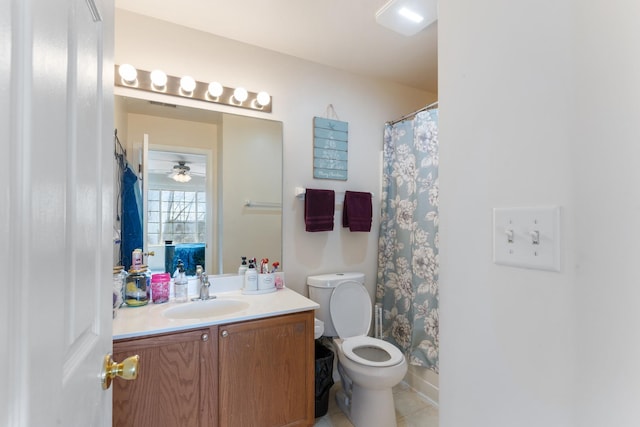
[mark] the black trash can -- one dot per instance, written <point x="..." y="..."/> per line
<point x="324" y="377"/>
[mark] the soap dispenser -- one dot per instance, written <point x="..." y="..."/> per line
<point x="251" y="278"/>
<point x="181" y="285"/>
<point x="177" y="272"/>
<point x="243" y="267"/>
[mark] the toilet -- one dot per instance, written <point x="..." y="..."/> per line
<point x="369" y="368"/>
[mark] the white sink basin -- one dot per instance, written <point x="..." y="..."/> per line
<point x="203" y="309"/>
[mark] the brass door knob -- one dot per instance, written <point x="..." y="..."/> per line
<point x="127" y="369"/>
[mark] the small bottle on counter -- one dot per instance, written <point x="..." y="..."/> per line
<point x="181" y="285"/>
<point x="177" y="272"/>
<point x="251" y="278"/>
<point x="243" y="266"/>
<point x="136" y="259"/>
<point x="119" y="276"/>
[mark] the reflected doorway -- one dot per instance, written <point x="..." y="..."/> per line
<point x="176" y="218"/>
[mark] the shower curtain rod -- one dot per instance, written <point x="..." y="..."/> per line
<point x="410" y="115"/>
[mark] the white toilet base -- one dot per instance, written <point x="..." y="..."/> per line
<point x="372" y="408"/>
<point x="365" y="407"/>
<point x="344" y="403"/>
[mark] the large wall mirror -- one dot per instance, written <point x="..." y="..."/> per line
<point x="231" y="203"/>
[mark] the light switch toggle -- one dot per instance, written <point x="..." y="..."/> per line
<point x="535" y="237"/>
<point x="527" y="237"/>
<point x="509" y="233"/>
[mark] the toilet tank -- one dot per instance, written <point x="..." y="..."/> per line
<point x="320" y="289"/>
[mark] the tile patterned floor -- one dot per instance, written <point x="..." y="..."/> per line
<point x="411" y="410"/>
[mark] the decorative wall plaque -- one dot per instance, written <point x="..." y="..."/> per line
<point x="330" y="154"/>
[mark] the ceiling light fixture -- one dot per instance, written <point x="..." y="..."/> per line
<point x="408" y="17"/>
<point x="158" y="81"/>
<point x="181" y="172"/>
<point x="182" y="177"/>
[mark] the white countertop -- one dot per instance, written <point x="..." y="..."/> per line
<point x="149" y="319"/>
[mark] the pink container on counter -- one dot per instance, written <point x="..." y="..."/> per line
<point x="160" y="287"/>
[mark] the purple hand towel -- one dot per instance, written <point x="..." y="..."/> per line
<point x="357" y="211"/>
<point x="318" y="209"/>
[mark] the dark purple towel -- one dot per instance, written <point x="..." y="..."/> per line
<point x="318" y="209"/>
<point x="357" y="211"/>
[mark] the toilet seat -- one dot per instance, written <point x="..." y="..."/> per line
<point x="350" y="309"/>
<point x="351" y="344"/>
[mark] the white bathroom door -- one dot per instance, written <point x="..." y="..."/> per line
<point x="56" y="225"/>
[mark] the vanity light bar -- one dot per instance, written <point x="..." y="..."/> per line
<point x="140" y="79"/>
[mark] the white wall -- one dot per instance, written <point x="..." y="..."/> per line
<point x="170" y="132"/>
<point x="251" y="170"/>
<point x="539" y="105"/>
<point x="606" y="147"/>
<point x="300" y="90"/>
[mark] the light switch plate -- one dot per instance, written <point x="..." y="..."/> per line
<point x="516" y="231"/>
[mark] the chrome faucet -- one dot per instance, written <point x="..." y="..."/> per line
<point x="204" y="287"/>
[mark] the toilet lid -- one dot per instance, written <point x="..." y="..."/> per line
<point x="350" y="309"/>
<point x="352" y="348"/>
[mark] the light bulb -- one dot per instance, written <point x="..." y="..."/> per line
<point x="158" y="78"/>
<point x="182" y="177"/>
<point x="128" y="73"/>
<point x="187" y="84"/>
<point x="240" y="94"/>
<point x="215" y="89"/>
<point x="263" y="98"/>
<point x="411" y="15"/>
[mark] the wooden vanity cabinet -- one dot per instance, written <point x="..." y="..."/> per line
<point x="176" y="384"/>
<point x="266" y="372"/>
<point x="258" y="373"/>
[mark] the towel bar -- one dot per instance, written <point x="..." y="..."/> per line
<point x="301" y="191"/>
<point x="253" y="204"/>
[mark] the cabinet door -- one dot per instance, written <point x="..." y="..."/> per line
<point x="266" y="372"/>
<point x="176" y="384"/>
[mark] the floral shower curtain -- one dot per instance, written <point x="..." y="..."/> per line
<point x="407" y="285"/>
